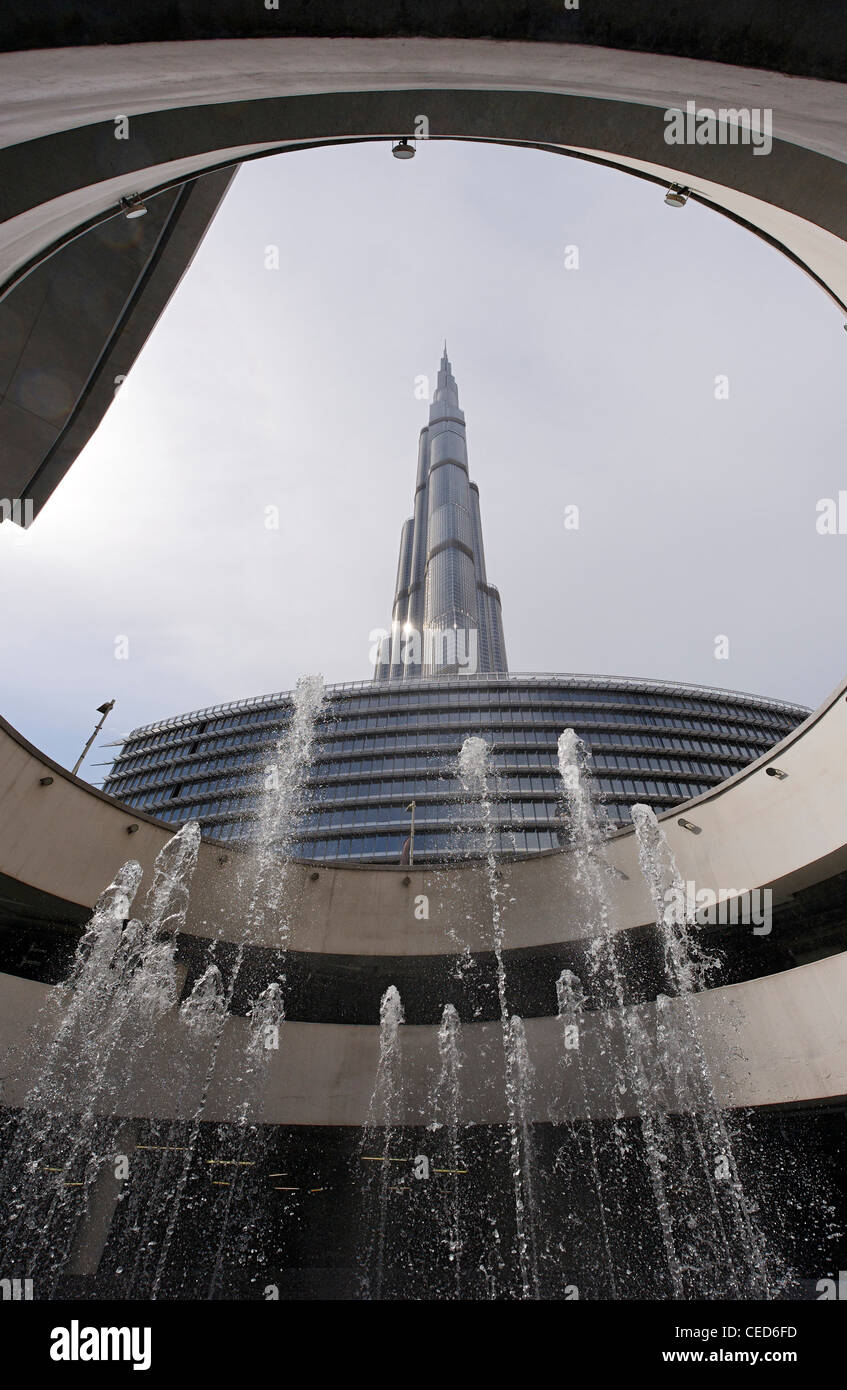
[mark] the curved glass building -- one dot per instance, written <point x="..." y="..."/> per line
<point x="441" y="674"/>
<point x="382" y="746"/>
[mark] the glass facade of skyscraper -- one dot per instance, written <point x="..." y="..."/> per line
<point x="446" y="617"/>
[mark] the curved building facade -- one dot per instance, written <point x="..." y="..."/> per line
<point x="381" y="746"/>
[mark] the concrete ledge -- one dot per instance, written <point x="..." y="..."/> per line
<point x="778" y="1040"/>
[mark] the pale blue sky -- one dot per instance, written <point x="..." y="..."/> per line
<point x="296" y="388"/>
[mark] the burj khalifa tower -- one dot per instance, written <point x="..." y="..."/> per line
<point x="446" y="618"/>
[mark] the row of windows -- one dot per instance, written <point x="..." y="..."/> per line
<point x="359" y="791"/>
<point x="273" y="714"/>
<point x="384" y="705"/>
<point x="134" y="756"/>
<point x="204" y="747"/>
<point x="529" y="758"/>
<point x="505" y="738"/>
<point x="504" y="812"/>
<point x="120" y="782"/>
<point x="481" y="719"/>
<point x="427" y="845"/>
<point x="668" y="743"/>
<point x="431" y="845"/>
<point x="634" y="788"/>
<point x="218" y="785"/>
<point x="651" y="787"/>
<point x="434" y="734"/>
<point x="634" y="762"/>
<point x="472" y="697"/>
<point x="525" y="840"/>
<point x="378" y="815"/>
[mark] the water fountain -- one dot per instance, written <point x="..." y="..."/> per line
<point x="260" y="888"/>
<point x="571" y="1004"/>
<point x="655" y="1058"/>
<point x="381" y="1131"/>
<point x="476" y="772"/>
<point x="96" y="1037"/>
<point x="610" y="1168"/>
<point x="446" y="1105"/>
<point x="731" y="1227"/>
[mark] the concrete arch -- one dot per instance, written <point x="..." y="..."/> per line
<point x="63" y="165"/>
<point x="197" y="106"/>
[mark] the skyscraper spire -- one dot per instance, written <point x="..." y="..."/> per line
<point x="446" y="618"/>
<point x="446" y="389"/>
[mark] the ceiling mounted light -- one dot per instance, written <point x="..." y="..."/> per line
<point x="403" y="150"/>
<point x="677" y="197"/>
<point x="133" y="206"/>
<point x="776" y="772"/>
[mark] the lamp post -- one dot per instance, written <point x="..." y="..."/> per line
<point x="102" y="710"/>
<point x="411" y="807"/>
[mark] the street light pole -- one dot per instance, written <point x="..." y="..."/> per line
<point x="102" y="710"/>
<point x="411" y="807"/>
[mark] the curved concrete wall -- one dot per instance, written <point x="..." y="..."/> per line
<point x="67" y="840"/>
<point x="782" y="1039"/>
<point x="778" y="1039"/>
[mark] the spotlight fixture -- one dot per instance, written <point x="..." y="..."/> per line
<point x="689" y="825"/>
<point x="131" y="829"/>
<point x="133" y="206"/>
<point x="677" y="197"/>
<point x="403" y="150"/>
<point x="776" y="772"/>
<point x="45" y="781"/>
